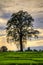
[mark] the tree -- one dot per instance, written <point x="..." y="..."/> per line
<point x="20" y="27"/>
<point x="3" y="48"/>
<point x="35" y="50"/>
<point x="28" y="48"/>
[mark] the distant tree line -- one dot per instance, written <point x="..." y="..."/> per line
<point x="5" y="49"/>
<point x="34" y="50"/>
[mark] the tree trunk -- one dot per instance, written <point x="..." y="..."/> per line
<point x="21" y="45"/>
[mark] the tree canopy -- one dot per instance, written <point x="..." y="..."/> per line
<point x="20" y="27"/>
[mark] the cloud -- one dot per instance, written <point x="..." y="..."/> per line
<point x="2" y="33"/>
<point x="5" y="15"/>
<point x="35" y="43"/>
<point x="34" y="7"/>
<point x="7" y="7"/>
<point x="3" y="23"/>
<point x="14" y="5"/>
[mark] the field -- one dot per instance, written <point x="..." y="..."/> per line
<point x="21" y="58"/>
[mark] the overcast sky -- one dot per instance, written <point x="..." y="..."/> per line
<point x="33" y="7"/>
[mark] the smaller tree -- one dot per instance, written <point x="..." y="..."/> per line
<point x="35" y="50"/>
<point x="28" y="48"/>
<point x="3" y="48"/>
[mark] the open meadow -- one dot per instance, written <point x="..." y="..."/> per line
<point x="21" y="58"/>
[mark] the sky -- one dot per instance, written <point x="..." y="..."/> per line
<point x="33" y="7"/>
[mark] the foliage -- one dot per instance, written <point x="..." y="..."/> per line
<point x="3" y="49"/>
<point x="20" y="27"/>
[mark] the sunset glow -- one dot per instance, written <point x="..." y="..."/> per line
<point x="33" y="7"/>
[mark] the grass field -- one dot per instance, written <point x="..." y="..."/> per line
<point x="21" y="58"/>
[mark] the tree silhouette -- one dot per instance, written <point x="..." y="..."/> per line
<point x="20" y="27"/>
<point x="28" y="48"/>
<point x="4" y="49"/>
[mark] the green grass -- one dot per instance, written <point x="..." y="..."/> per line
<point x="21" y="58"/>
